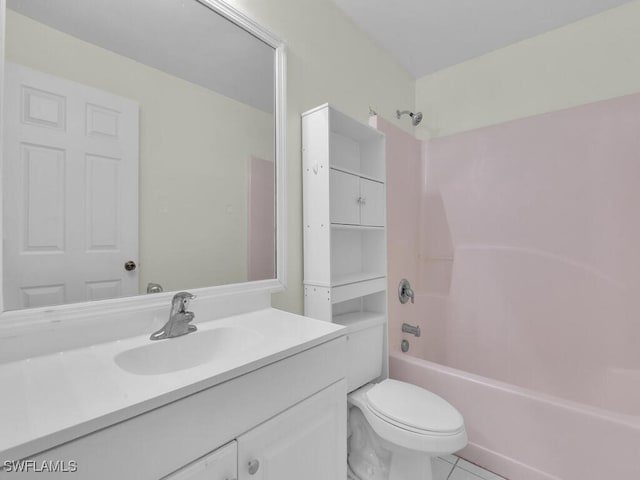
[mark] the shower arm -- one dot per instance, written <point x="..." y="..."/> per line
<point x="416" y="117"/>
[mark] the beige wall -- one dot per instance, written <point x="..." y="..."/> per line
<point x="594" y="59"/>
<point x="329" y="60"/>
<point x="195" y="146"/>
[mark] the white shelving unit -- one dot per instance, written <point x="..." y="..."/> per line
<point x="344" y="209"/>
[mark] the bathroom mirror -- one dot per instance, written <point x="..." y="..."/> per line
<point x="142" y="152"/>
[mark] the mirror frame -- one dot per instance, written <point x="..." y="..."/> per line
<point x="45" y="315"/>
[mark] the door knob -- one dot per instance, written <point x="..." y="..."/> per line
<point x="130" y="266"/>
<point x="253" y="465"/>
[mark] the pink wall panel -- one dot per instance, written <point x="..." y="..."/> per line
<point x="404" y="183"/>
<point x="537" y="219"/>
<point x="261" y="230"/>
<point x="527" y="257"/>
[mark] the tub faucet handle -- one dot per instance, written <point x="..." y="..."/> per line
<point x="405" y="292"/>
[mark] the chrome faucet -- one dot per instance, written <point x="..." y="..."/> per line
<point x="179" y="318"/>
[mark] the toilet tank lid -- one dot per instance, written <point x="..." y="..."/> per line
<point x="413" y="406"/>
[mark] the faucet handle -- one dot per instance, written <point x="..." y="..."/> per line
<point x="184" y="295"/>
<point x="405" y="292"/>
<point x="180" y="301"/>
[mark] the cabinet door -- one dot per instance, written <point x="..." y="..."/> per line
<point x="344" y="203"/>
<point x="308" y="441"/>
<point x="373" y="210"/>
<point x="219" y="465"/>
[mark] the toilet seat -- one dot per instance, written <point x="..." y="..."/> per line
<point x="413" y="408"/>
<point x="399" y="413"/>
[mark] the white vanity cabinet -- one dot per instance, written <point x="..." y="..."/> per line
<point x="344" y="210"/>
<point x="289" y="416"/>
<point x="305" y="442"/>
<point x="221" y="464"/>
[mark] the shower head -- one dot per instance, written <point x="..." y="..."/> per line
<point x="416" y="118"/>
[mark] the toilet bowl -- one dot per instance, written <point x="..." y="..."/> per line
<point x="395" y="428"/>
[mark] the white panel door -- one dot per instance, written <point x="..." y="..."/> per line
<point x="344" y="202"/>
<point x="70" y="191"/>
<point x="373" y="205"/>
<point x="308" y="441"/>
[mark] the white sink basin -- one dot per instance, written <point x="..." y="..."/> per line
<point x="173" y="354"/>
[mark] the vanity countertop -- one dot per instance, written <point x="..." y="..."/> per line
<point x="52" y="399"/>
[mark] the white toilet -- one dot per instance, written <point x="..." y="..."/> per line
<point x="394" y="427"/>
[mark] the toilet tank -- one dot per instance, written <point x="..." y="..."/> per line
<point x="365" y="348"/>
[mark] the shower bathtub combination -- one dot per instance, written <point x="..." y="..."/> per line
<point x="521" y="244"/>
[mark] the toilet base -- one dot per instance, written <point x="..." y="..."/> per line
<point x="409" y="465"/>
<point x="373" y="458"/>
<point x="417" y="467"/>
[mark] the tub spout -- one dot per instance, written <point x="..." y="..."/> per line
<point x="406" y="328"/>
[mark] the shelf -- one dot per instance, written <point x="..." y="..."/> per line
<point x="346" y="263"/>
<point x="357" y="254"/>
<point x="345" y="125"/>
<point x="357" y="286"/>
<point x="357" y="174"/>
<point x="346" y="280"/>
<point x="359" y="320"/>
<point x="343" y="280"/>
<point x="347" y="226"/>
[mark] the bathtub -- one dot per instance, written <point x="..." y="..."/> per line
<point x="526" y="435"/>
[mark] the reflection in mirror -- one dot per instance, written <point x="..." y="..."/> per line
<point x="139" y="149"/>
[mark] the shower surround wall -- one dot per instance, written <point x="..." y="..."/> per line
<point x="404" y="186"/>
<point x="528" y="287"/>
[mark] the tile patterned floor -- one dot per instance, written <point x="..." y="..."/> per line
<point x="451" y="467"/>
